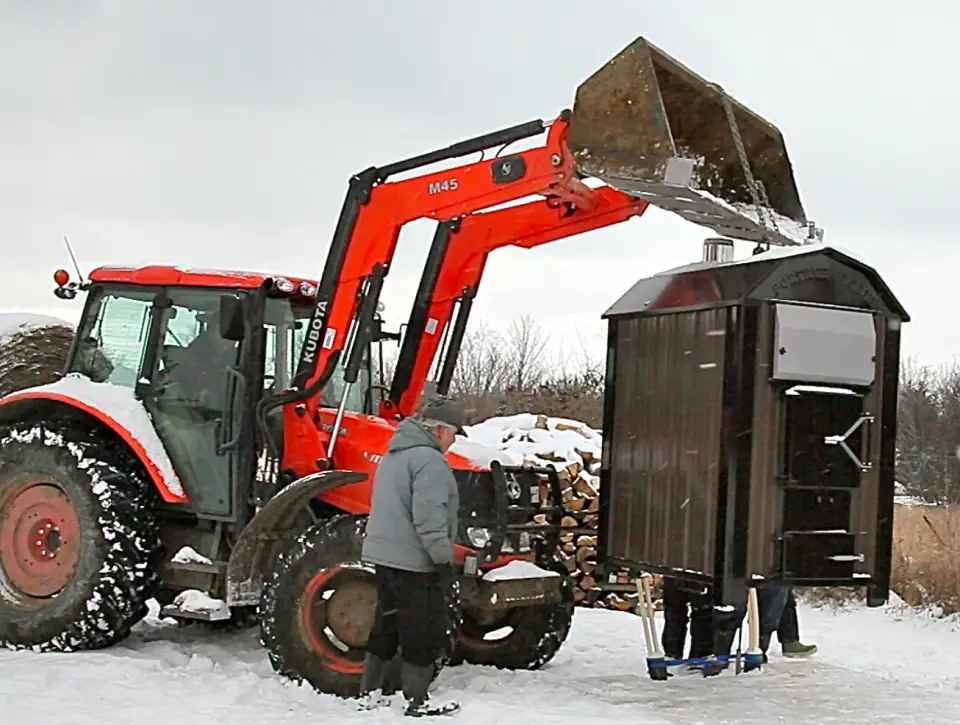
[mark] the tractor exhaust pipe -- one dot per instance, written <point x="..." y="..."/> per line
<point x="649" y="126"/>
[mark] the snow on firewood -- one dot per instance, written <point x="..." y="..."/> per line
<point x="33" y="349"/>
<point x="535" y="440"/>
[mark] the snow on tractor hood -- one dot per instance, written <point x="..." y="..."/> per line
<point x="119" y="404"/>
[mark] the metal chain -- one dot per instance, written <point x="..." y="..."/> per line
<point x="757" y="191"/>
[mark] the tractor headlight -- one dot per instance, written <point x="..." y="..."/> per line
<point x="479" y="538"/>
<point x="284" y="285"/>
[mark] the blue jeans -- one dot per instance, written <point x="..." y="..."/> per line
<point x="771" y="600"/>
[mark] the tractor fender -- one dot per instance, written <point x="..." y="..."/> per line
<point x="118" y="409"/>
<point x="272" y="527"/>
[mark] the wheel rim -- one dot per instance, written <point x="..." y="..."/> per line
<point x="39" y="539"/>
<point x="337" y="612"/>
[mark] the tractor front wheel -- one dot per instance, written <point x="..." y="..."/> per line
<point x="319" y="606"/>
<point x="78" y="539"/>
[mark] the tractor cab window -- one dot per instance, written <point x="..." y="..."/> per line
<point x="286" y="328"/>
<point x="193" y="359"/>
<point x="112" y="335"/>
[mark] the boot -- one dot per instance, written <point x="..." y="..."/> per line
<point x="797" y="649"/>
<point x="415" y="682"/>
<point x="371" y="682"/>
<point x="764" y="646"/>
<point x="722" y="644"/>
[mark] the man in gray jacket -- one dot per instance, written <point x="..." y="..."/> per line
<point x="409" y="538"/>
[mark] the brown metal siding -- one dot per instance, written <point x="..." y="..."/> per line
<point x="766" y="499"/>
<point x="666" y="439"/>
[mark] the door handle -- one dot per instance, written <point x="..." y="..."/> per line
<point x="841" y="440"/>
<point x="234" y="386"/>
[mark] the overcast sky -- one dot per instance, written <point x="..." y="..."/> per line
<point x="223" y="132"/>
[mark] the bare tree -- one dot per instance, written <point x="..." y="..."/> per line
<point x="928" y="431"/>
<point x="526" y="343"/>
<point x="483" y="364"/>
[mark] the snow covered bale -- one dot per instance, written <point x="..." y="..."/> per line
<point x="33" y="349"/>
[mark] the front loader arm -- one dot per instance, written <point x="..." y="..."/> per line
<point x="455" y="267"/>
<point x="375" y="210"/>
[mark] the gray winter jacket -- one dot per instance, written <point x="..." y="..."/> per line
<point x="414" y="505"/>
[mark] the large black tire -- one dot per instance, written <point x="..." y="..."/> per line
<point x="326" y="557"/>
<point x="104" y="560"/>
<point x="537" y="632"/>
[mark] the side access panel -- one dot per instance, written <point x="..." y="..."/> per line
<point x="815" y="344"/>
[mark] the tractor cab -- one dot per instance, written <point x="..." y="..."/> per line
<point x="201" y="350"/>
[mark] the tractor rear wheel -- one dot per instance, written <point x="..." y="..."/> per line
<point x="318" y="608"/>
<point x="529" y="637"/>
<point x="79" y="541"/>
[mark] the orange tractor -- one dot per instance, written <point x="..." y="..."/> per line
<point x="213" y="441"/>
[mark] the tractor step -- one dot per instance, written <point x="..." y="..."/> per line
<point x="219" y="567"/>
<point x="194" y="604"/>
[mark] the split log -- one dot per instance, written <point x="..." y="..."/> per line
<point x="580" y="499"/>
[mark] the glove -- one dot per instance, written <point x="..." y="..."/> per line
<point x="450" y="587"/>
<point x="446" y="575"/>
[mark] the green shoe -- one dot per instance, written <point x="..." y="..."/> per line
<point x="797" y="649"/>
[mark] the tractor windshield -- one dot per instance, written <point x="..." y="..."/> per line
<point x="286" y="325"/>
<point x="112" y="336"/>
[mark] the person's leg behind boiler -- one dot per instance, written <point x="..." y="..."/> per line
<point x="674" y="636"/>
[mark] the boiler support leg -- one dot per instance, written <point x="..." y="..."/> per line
<point x="754" y="657"/>
<point x="656" y="665"/>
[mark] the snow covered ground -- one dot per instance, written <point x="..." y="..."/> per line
<point x="874" y="666"/>
<point x="163" y="674"/>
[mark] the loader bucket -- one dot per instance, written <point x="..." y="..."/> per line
<point x="648" y="126"/>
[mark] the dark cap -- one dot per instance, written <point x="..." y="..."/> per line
<point x="444" y="410"/>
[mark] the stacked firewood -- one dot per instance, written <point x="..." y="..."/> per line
<point x="580" y="489"/>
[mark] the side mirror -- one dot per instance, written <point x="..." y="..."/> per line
<point x="380" y="334"/>
<point x="231" y="318"/>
